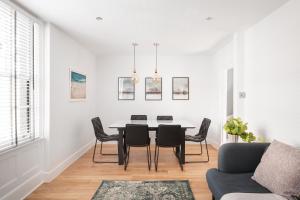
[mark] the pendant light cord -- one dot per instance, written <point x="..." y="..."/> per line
<point x="156" y="44"/>
<point x="134" y="71"/>
<point x="156" y="58"/>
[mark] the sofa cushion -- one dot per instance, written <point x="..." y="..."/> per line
<point x="279" y="170"/>
<point x="240" y="157"/>
<point x="222" y="183"/>
<point x="252" y="196"/>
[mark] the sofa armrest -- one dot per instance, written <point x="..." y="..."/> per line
<point x="240" y="157"/>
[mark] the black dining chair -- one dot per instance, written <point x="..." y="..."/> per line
<point x="138" y="117"/>
<point x="164" y="117"/>
<point x="137" y="135"/>
<point x="168" y="136"/>
<point x="102" y="137"/>
<point x="199" y="138"/>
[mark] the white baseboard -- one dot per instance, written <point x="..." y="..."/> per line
<point x="53" y="173"/>
<point x="24" y="189"/>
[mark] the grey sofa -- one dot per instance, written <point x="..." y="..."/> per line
<point x="236" y="164"/>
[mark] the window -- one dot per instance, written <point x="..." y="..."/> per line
<point x="19" y="64"/>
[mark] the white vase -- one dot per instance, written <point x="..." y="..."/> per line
<point x="233" y="138"/>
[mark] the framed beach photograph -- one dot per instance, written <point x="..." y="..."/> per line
<point x="77" y="86"/>
<point x="126" y="88"/>
<point x="180" y="88"/>
<point x="153" y="89"/>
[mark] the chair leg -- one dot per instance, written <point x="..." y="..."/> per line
<point x="94" y="151"/>
<point x="127" y="158"/>
<point x="94" y="161"/>
<point x="101" y="148"/>
<point x="202" y="161"/>
<point x="201" y="148"/>
<point x="157" y="155"/>
<point x="106" y="154"/>
<point x="195" y="154"/>
<point x="149" y="157"/>
<point x="207" y="151"/>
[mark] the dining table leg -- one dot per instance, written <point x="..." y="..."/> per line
<point x="121" y="146"/>
<point x="180" y="151"/>
<point x="183" y="146"/>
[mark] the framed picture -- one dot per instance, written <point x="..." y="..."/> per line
<point x="126" y="88"/>
<point x="153" y="89"/>
<point x="180" y="88"/>
<point x="77" y="86"/>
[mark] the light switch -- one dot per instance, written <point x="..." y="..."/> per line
<point x="242" y="95"/>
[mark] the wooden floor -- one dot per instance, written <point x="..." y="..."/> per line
<point x="82" y="178"/>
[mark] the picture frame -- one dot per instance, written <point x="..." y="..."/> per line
<point x="153" y="89"/>
<point x="77" y="85"/>
<point x="180" y="88"/>
<point x="126" y="88"/>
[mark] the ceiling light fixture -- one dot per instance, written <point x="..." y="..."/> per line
<point x="135" y="77"/>
<point x="208" y="18"/>
<point x="99" y="18"/>
<point x="156" y="76"/>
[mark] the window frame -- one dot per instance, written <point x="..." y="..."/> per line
<point x="39" y="83"/>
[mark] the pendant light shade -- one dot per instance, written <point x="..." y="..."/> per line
<point x="156" y="75"/>
<point x="134" y="76"/>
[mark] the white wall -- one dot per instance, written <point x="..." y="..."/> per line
<point x="266" y="61"/>
<point x="68" y="131"/>
<point x="272" y="75"/>
<point x="203" y="91"/>
<point x="70" y="126"/>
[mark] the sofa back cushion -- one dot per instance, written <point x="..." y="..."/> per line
<point x="279" y="170"/>
<point x="240" y="157"/>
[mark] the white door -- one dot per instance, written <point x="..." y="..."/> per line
<point x="227" y="102"/>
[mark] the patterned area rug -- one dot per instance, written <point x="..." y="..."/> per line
<point x="144" y="190"/>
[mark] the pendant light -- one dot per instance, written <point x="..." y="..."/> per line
<point x="156" y="76"/>
<point x="135" y="77"/>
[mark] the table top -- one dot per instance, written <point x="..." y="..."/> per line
<point x="152" y="123"/>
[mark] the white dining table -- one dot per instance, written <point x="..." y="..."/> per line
<point x="153" y="125"/>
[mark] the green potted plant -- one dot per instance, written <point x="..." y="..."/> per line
<point x="238" y="128"/>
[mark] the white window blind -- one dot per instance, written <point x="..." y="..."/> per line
<point x="19" y="61"/>
<point x="7" y="125"/>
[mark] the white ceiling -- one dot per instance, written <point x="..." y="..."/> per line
<point x="178" y="25"/>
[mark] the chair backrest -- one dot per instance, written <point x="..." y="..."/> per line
<point x="98" y="128"/>
<point x="169" y="135"/>
<point x="204" y="128"/>
<point x="138" y="117"/>
<point x="137" y="135"/>
<point x="164" y="117"/>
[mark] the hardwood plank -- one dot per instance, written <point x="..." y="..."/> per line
<point x="82" y="178"/>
